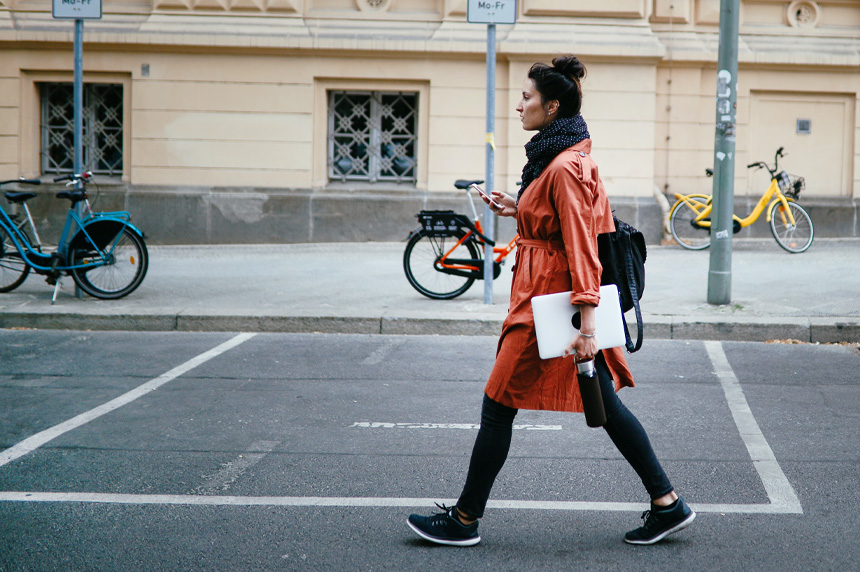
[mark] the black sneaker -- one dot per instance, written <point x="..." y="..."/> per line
<point x="660" y="523"/>
<point x="444" y="528"/>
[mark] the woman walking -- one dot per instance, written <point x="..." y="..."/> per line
<point x="560" y="209"/>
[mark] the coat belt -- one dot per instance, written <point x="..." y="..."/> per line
<point x="544" y="244"/>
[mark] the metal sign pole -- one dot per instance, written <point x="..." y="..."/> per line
<point x="720" y="272"/>
<point x="78" y="10"/>
<point x="490" y="12"/>
<point x="489" y="216"/>
<point x="78" y="99"/>
<point x="78" y="104"/>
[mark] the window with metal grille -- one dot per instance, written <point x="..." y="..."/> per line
<point x="372" y="136"/>
<point x="102" y="128"/>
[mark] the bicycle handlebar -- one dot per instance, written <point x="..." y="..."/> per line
<point x="83" y="177"/>
<point x="22" y="180"/>
<point x="762" y="165"/>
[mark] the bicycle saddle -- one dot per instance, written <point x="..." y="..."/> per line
<point x="464" y="184"/>
<point x="18" y="196"/>
<point x="74" y="196"/>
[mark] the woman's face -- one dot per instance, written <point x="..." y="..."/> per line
<point x="534" y="113"/>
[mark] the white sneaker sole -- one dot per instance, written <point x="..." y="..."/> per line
<point x="465" y="542"/>
<point x="680" y="526"/>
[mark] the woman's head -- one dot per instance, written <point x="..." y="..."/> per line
<point x="557" y="88"/>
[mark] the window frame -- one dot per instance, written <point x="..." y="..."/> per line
<point x="90" y="136"/>
<point x="374" y="171"/>
<point x="320" y="173"/>
<point x="31" y="117"/>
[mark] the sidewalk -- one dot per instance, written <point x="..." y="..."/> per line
<point x="361" y="288"/>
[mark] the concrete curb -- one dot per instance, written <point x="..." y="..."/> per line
<point x="821" y="330"/>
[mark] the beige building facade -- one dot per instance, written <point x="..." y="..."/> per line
<point x="230" y="121"/>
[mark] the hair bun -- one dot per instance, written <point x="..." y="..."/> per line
<point x="570" y="66"/>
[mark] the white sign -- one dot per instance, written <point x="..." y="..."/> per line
<point x="491" y="11"/>
<point x="77" y="9"/>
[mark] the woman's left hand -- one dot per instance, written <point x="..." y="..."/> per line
<point x="507" y="202"/>
<point x="583" y="349"/>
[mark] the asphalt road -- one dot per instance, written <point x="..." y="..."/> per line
<point x="212" y="451"/>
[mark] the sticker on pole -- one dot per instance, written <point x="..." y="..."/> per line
<point x="77" y="9"/>
<point x="490" y="12"/>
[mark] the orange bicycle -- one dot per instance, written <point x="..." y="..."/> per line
<point x="444" y="256"/>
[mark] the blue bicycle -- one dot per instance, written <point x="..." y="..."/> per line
<point x="103" y="252"/>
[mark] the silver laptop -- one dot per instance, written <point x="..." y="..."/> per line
<point x="557" y="320"/>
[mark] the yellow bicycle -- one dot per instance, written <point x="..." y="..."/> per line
<point x="690" y="217"/>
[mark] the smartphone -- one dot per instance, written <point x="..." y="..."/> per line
<point x="483" y="193"/>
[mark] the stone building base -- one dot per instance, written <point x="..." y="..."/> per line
<point x="249" y="216"/>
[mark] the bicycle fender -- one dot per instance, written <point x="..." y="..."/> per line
<point x="101" y="232"/>
<point x="136" y="230"/>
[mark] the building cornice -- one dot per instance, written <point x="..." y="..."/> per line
<point x="608" y="38"/>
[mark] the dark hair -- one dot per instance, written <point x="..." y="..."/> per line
<point x="560" y="81"/>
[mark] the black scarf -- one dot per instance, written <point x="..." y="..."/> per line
<point x="559" y="135"/>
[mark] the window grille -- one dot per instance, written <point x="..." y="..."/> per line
<point x="372" y="136"/>
<point x="102" y="128"/>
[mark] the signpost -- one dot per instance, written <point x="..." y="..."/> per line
<point x="490" y="12"/>
<point x="78" y="10"/>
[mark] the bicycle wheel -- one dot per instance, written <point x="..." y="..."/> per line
<point x="795" y="237"/>
<point x="13" y="268"/>
<point x="684" y="228"/>
<point x="123" y="272"/>
<point x="420" y="264"/>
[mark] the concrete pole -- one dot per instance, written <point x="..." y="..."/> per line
<point x="489" y="216"/>
<point x="720" y="272"/>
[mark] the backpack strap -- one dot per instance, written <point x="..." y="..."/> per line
<point x="631" y="280"/>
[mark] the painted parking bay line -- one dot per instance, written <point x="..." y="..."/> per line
<point x="783" y="499"/>
<point x="776" y="484"/>
<point x="467" y="426"/>
<point x="353" y="502"/>
<point x="32" y="443"/>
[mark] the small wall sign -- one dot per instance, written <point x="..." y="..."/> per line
<point x="491" y="12"/>
<point x="77" y="9"/>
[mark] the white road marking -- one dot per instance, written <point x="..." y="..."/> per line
<point x="776" y="484"/>
<point x="471" y="426"/>
<point x="231" y="471"/>
<point x="34" y="442"/>
<point x="382" y="351"/>
<point x="203" y="500"/>
<point x="783" y="499"/>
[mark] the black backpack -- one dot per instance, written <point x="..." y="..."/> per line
<point x="622" y="254"/>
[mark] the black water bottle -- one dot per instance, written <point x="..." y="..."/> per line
<point x="589" y="390"/>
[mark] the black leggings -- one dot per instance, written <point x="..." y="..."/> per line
<point x="494" y="441"/>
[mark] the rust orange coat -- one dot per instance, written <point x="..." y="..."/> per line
<point x="559" y="217"/>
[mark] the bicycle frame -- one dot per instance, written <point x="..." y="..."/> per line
<point x="765" y="203"/>
<point x="500" y="252"/>
<point x="45" y="262"/>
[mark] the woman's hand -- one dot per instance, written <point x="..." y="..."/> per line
<point x="509" y="203"/>
<point x="581" y="347"/>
